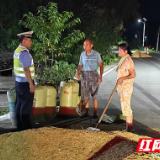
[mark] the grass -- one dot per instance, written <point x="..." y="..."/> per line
<point x="150" y="50"/>
<point x="4" y="111"/>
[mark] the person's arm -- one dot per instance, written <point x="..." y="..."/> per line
<point x="29" y="79"/>
<point x="132" y="74"/>
<point x="79" y="67"/>
<point x="101" y="72"/>
<point x="26" y="60"/>
<point x="78" y="71"/>
<point x="99" y="60"/>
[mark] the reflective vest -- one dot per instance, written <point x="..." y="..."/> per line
<point x="18" y="69"/>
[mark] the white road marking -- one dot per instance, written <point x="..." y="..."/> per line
<point x="109" y="70"/>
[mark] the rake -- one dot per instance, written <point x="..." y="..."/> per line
<point x="99" y="121"/>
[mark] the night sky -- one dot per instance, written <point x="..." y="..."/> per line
<point x="149" y="9"/>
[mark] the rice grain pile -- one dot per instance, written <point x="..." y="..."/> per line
<point x="61" y="144"/>
<point x="139" y="54"/>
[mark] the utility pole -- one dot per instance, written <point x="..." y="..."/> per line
<point x="144" y="27"/>
<point x="158" y="40"/>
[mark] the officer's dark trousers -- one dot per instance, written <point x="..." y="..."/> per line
<point x="24" y="102"/>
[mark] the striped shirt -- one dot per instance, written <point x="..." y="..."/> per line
<point x="90" y="62"/>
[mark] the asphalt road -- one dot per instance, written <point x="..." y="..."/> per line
<point x="145" y="101"/>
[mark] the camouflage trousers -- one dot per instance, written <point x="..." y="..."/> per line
<point x="89" y="84"/>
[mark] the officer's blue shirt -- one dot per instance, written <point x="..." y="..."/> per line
<point x="26" y="61"/>
<point x="90" y="62"/>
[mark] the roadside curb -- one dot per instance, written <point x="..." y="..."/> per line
<point x="4" y="90"/>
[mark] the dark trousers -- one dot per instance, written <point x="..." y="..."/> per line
<point x="24" y="103"/>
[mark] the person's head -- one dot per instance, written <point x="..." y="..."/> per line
<point x="25" y="39"/>
<point x="87" y="45"/>
<point x="123" y="49"/>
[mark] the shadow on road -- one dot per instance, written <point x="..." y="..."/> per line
<point x="7" y="130"/>
<point x="140" y="129"/>
<point x="149" y="61"/>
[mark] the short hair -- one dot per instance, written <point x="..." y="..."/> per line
<point x="21" y="38"/>
<point x="89" y="40"/>
<point x="124" y="46"/>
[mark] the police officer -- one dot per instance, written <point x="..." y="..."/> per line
<point x="24" y="74"/>
<point x="90" y="79"/>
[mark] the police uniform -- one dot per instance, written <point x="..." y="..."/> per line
<point x="24" y="99"/>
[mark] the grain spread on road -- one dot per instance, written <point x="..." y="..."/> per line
<point x="61" y="144"/>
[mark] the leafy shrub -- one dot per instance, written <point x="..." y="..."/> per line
<point x="109" y="58"/>
<point x="151" y="50"/>
<point x="4" y="111"/>
<point x="6" y="61"/>
<point x="60" y="71"/>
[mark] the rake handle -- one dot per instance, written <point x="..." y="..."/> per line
<point x="107" y="105"/>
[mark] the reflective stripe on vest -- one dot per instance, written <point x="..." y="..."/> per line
<point x="18" y="69"/>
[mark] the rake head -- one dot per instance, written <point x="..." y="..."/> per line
<point x="92" y="129"/>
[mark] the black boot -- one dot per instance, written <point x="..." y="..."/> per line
<point x="87" y="114"/>
<point x="95" y="115"/>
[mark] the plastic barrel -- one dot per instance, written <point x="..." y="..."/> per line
<point x="69" y="99"/>
<point x="39" y="103"/>
<point x="50" y="107"/>
<point x="11" y="95"/>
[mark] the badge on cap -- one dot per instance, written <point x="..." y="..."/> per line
<point x="26" y="34"/>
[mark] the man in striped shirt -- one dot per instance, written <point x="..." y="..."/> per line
<point x="90" y="79"/>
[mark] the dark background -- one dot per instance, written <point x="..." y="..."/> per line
<point x="149" y="9"/>
<point x="11" y="11"/>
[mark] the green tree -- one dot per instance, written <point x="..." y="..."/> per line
<point x="103" y="22"/>
<point x="9" y="17"/>
<point x="11" y="11"/>
<point x="54" y="36"/>
<point x="54" y="33"/>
